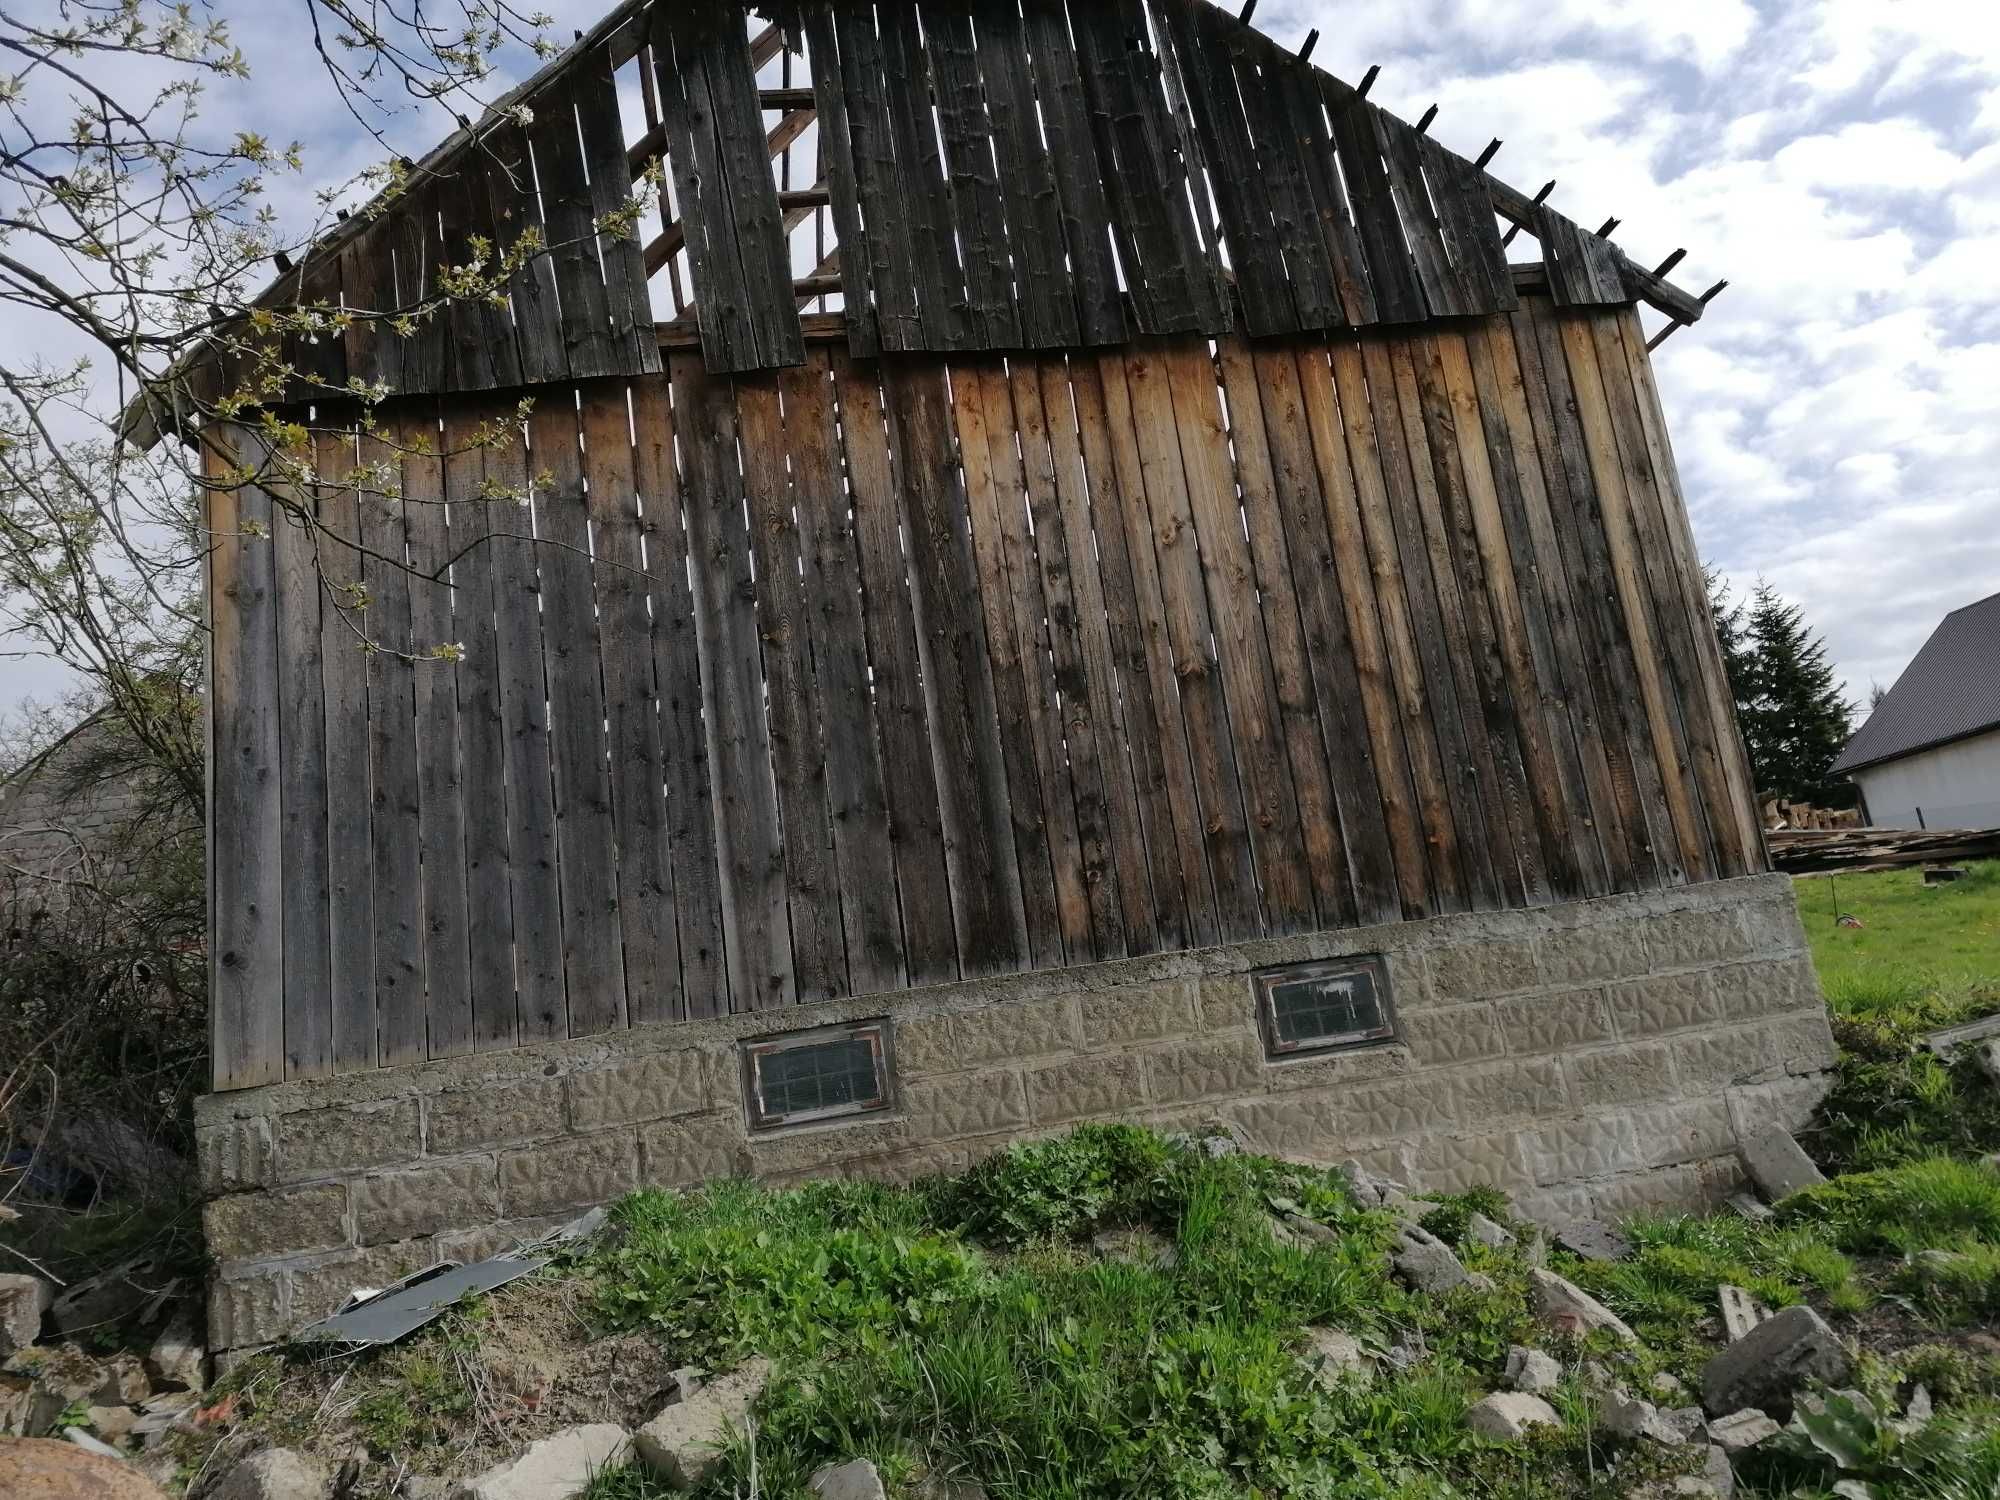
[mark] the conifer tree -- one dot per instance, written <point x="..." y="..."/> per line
<point x="1794" y="718"/>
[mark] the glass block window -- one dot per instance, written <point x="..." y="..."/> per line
<point x="817" y="1075"/>
<point x="1313" y="1007"/>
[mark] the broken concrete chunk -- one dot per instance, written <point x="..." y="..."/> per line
<point x="1625" y="1416"/>
<point x="1989" y="1060"/>
<point x="1741" y="1312"/>
<point x="1426" y="1262"/>
<point x="1751" y="1207"/>
<point x="23" y="1300"/>
<point x="178" y="1356"/>
<point x="1774" y="1361"/>
<point x="1484" y="1231"/>
<point x="1335" y="1357"/>
<point x="125" y="1381"/>
<point x="556" y="1468"/>
<point x="684" y="1443"/>
<point x="1593" y="1239"/>
<point x="1568" y="1308"/>
<point x="1532" y="1371"/>
<point x="274" y="1474"/>
<point x="1717" y="1477"/>
<point x="849" y="1481"/>
<point x="1509" y="1414"/>
<point x="1742" y="1430"/>
<point x="1776" y="1162"/>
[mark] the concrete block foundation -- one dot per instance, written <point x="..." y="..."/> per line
<point x="1593" y="1058"/>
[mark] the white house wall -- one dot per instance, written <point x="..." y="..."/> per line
<point x="1952" y="786"/>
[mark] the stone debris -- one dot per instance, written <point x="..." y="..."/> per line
<point x="178" y="1357"/>
<point x="1484" y="1231"/>
<point x="274" y="1474"/>
<point x="1776" y="1162"/>
<point x="1751" y="1207"/>
<point x="856" y="1480"/>
<point x="1716" y="1478"/>
<point x="1627" y="1417"/>
<point x="23" y="1301"/>
<point x="1741" y="1312"/>
<point x="1989" y="1060"/>
<point x="1743" y="1430"/>
<point x="683" y="1444"/>
<point x="1568" y="1308"/>
<point x="1425" y="1262"/>
<point x="1532" y="1371"/>
<point x="1509" y="1414"/>
<point x="1666" y="1387"/>
<point x="1593" y="1239"/>
<point x="1368" y="1190"/>
<point x="1776" y="1359"/>
<point x="1335" y="1357"/>
<point x="45" y="1469"/>
<point x="556" y="1468"/>
<point x="109" y="1297"/>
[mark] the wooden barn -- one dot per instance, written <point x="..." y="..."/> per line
<point x="1070" y="566"/>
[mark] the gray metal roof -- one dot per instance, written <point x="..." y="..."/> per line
<point x="1951" y="690"/>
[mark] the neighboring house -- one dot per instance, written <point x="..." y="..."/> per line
<point x="65" y="816"/>
<point x="1929" y="755"/>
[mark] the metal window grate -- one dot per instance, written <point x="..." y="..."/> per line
<point x="817" y="1075"/>
<point x="1315" y="1007"/>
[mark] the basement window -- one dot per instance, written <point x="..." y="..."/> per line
<point x="1320" y="1007"/>
<point x="811" y="1076"/>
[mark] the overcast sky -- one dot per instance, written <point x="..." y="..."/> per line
<point x="1836" y="416"/>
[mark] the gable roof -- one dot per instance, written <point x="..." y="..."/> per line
<point x="1951" y="690"/>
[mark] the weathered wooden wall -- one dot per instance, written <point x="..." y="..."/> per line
<point x="858" y="675"/>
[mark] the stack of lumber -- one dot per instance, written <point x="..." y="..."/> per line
<point x="1811" y="852"/>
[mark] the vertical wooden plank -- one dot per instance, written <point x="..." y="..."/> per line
<point x="858" y="802"/>
<point x="419" y="257"/>
<point x="1027" y="180"/>
<point x="572" y="234"/>
<point x="1676" y="600"/>
<point x="926" y="212"/>
<point x="1420" y="711"/>
<point x="1736" y="761"/>
<point x="1323" y="620"/>
<point x="1399" y="298"/>
<point x="1079" y="763"/>
<point x="482" y="737"/>
<point x="1242" y="655"/>
<point x="1439" y="630"/>
<point x="593" y="943"/>
<point x="1372" y="670"/>
<point x="1585" y="559"/>
<point x="1086" y="209"/>
<point x="1554" y="781"/>
<point x="1291" y="672"/>
<point x="470" y="345"/>
<point x="975" y="183"/>
<point x="349" y="797"/>
<point x="246" y="868"/>
<point x="531" y="290"/>
<point x="1443" y="293"/>
<point x="524" y="706"/>
<point x="755" y="925"/>
<point x="1547" y="699"/>
<point x="677" y="674"/>
<point x="1191" y="638"/>
<point x="889" y="245"/>
<point x="625" y="626"/>
<point x="915" y="822"/>
<point x="396" y="851"/>
<point x="1471" y="233"/>
<point x="1312" y="141"/>
<point x="368" y="287"/>
<point x="985" y="876"/>
<point x="306" y="959"/>
<point x="1454" y="540"/>
<point x="819" y="965"/>
<point x="1150" y="724"/>
<point x="440" y="791"/>
<point x="1010" y="600"/>
<point x="1608" y="477"/>
<point x="840" y="166"/>
<point x="628" y="304"/>
<point x="1096" y="711"/>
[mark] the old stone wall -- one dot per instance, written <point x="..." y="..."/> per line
<point x="1595" y="1057"/>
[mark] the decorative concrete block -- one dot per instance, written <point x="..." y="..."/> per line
<point x="1208" y="1067"/>
<point x="1696" y="939"/>
<point x="957" y="1040"/>
<point x="1621" y="1076"/>
<point x="813" y="1148"/>
<point x="1803" y="1044"/>
<point x="1588" y="953"/>
<point x="1480" y="1098"/>
<point x="1297" y="1125"/>
<point x="234" y="1156"/>
<point x="1133" y="1013"/>
<point x="1396" y="1109"/>
<point x="1086" y="1087"/>
<point x="680" y="1153"/>
<point x="245" y="1311"/>
<point x="579" y="1173"/>
<point x="1226" y="1002"/>
<point x="1767" y="987"/>
<point x="347" y="1138"/>
<point x="286" y="1222"/>
<point x="1330" y="1070"/>
<point x="507" y="1114"/>
<point x="648" y="1088"/>
<point x="403" y="1205"/>
<point x="1590" y="1146"/>
<point x="1772" y="925"/>
<point x="971" y="1104"/>
<point x="1777" y="1163"/>
<point x="1484" y="970"/>
<point x="1716" y="1061"/>
<point x="319" y="1289"/>
<point x="1670" y="1134"/>
<point x="1664" y="1002"/>
<point x="1447" y="1038"/>
<point x="1457" y="1163"/>
<point x="1539" y="1025"/>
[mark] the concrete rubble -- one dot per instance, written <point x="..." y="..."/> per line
<point x="1531" y="1371"/>
<point x="1741" y="1312"/>
<point x="684" y="1443"/>
<point x="23" y="1302"/>
<point x="274" y="1474"/>
<point x="1776" y="1162"/>
<point x="1777" y="1359"/>
<point x="1506" y="1415"/>
<point x="1425" y="1262"/>
<point x="1335" y="1357"/>
<point x="855" y="1480"/>
<point x="556" y="1468"/>
<point x="1568" y="1308"/>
